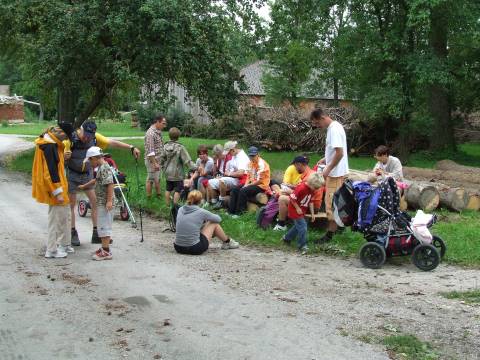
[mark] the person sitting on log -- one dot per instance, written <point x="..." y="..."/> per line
<point x="290" y="181"/>
<point x="220" y="161"/>
<point x="235" y="174"/>
<point x="203" y="171"/>
<point x="258" y="181"/>
<point x="387" y="165"/>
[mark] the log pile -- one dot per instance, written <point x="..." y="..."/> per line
<point x="450" y="185"/>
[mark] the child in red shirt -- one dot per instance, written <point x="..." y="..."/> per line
<point x="300" y="203"/>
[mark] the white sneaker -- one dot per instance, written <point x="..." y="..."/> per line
<point x="279" y="227"/>
<point x="67" y="248"/>
<point x="232" y="244"/>
<point x="304" y="250"/>
<point x="55" y="255"/>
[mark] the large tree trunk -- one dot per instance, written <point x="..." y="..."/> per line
<point x="67" y="99"/>
<point x="442" y="135"/>
<point x="95" y="101"/>
<point x="422" y="196"/>
<point x="455" y="199"/>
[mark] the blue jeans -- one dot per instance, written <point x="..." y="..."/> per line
<point x="299" y="229"/>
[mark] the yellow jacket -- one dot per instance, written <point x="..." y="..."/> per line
<point x="48" y="171"/>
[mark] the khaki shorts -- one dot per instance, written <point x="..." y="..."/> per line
<point x="152" y="175"/>
<point x="332" y="185"/>
<point x="104" y="221"/>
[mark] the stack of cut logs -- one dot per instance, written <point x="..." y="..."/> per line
<point x="449" y="185"/>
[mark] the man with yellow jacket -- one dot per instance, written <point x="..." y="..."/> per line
<point x="49" y="186"/>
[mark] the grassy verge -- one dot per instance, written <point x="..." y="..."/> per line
<point x="409" y="347"/>
<point x="470" y="297"/>
<point x="107" y="128"/>
<point x="460" y="231"/>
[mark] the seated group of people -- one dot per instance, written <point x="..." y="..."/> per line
<point x="238" y="176"/>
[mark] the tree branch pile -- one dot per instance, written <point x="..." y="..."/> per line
<point x="287" y="128"/>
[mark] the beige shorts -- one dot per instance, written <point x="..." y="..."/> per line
<point x="152" y="175"/>
<point x="104" y="221"/>
<point x="332" y="185"/>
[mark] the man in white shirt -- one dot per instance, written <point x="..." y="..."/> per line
<point x="387" y="165"/>
<point x="236" y="171"/>
<point x="335" y="161"/>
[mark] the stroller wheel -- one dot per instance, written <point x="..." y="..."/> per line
<point x="82" y="208"/>
<point x="440" y="245"/>
<point x="426" y="257"/>
<point x="372" y="255"/>
<point x="124" y="215"/>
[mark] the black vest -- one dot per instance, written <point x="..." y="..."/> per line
<point x="79" y="151"/>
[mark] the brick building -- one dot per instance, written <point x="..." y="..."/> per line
<point x="11" y="107"/>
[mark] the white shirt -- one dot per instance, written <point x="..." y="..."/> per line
<point x="336" y="138"/>
<point x="392" y="168"/>
<point x="238" y="162"/>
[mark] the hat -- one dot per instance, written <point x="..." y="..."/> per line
<point x="93" y="151"/>
<point x="89" y="128"/>
<point x="300" y="159"/>
<point x="229" y="145"/>
<point x="252" y="151"/>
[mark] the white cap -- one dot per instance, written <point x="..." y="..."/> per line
<point x="229" y="145"/>
<point x="93" y="151"/>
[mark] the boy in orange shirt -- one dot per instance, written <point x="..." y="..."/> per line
<point x="258" y="181"/>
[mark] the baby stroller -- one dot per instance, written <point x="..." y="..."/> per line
<point x="121" y="186"/>
<point x="374" y="211"/>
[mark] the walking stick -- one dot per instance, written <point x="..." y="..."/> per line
<point x="138" y="189"/>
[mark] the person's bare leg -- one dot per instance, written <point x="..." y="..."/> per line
<point x="157" y="187"/>
<point x="148" y="187"/>
<point x="332" y="226"/>
<point x="223" y="189"/>
<point x="212" y="193"/>
<point x="210" y="230"/>
<point x="73" y="202"/>
<point x="93" y="203"/>
<point x="167" y="198"/>
<point x="283" y="207"/>
<point x="176" y="197"/>
<point x="106" y="242"/>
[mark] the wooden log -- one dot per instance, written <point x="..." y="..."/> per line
<point x="473" y="201"/>
<point x="357" y="175"/>
<point x="252" y="207"/>
<point x="422" y="196"/>
<point x="455" y="199"/>
<point x="261" y="199"/>
<point x="449" y="165"/>
<point x="403" y="203"/>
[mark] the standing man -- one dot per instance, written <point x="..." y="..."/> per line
<point x="49" y="186"/>
<point x="153" y="151"/>
<point x="80" y="173"/>
<point x="335" y="161"/>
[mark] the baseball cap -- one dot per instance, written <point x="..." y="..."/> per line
<point x="252" y="151"/>
<point x="300" y="159"/>
<point x="93" y="151"/>
<point x="89" y="129"/>
<point x="229" y="145"/>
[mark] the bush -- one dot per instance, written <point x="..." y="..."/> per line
<point x="4" y="123"/>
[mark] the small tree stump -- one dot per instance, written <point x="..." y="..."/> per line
<point x="252" y="207"/>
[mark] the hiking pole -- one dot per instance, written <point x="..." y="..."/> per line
<point x="138" y="189"/>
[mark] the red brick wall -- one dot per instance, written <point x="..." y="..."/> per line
<point x="11" y="112"/>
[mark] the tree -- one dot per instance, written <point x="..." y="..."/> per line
<point x="85" y="50"/>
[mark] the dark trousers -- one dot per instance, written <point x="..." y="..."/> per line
<point x="240" y="196"/>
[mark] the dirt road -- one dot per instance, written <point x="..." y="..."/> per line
<point x="241" y="304"/>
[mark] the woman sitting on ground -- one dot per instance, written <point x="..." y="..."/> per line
<point x="196" y="227"/>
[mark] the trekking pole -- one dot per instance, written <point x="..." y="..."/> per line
<point x="125" y="202"/>
<point x="138" y="189"/>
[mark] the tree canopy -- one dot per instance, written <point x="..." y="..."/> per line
<point x="86" y="50"/>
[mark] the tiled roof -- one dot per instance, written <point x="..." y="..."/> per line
<point x="252" y="76"/>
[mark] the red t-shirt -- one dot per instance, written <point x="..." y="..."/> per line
<point x="302" y="196"/>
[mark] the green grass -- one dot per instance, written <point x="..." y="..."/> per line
<point x="466" y="154"/>
<point x="470" y="297"/>
<point x="460" y="231"/>
<point x="409" y="347"/>
<point x="107" y="128"/>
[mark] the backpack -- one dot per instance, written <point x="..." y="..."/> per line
<point x="266" y="214"/>
<point x="344" y="205"/>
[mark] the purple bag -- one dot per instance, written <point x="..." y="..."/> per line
<point x="267" y="213"/>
